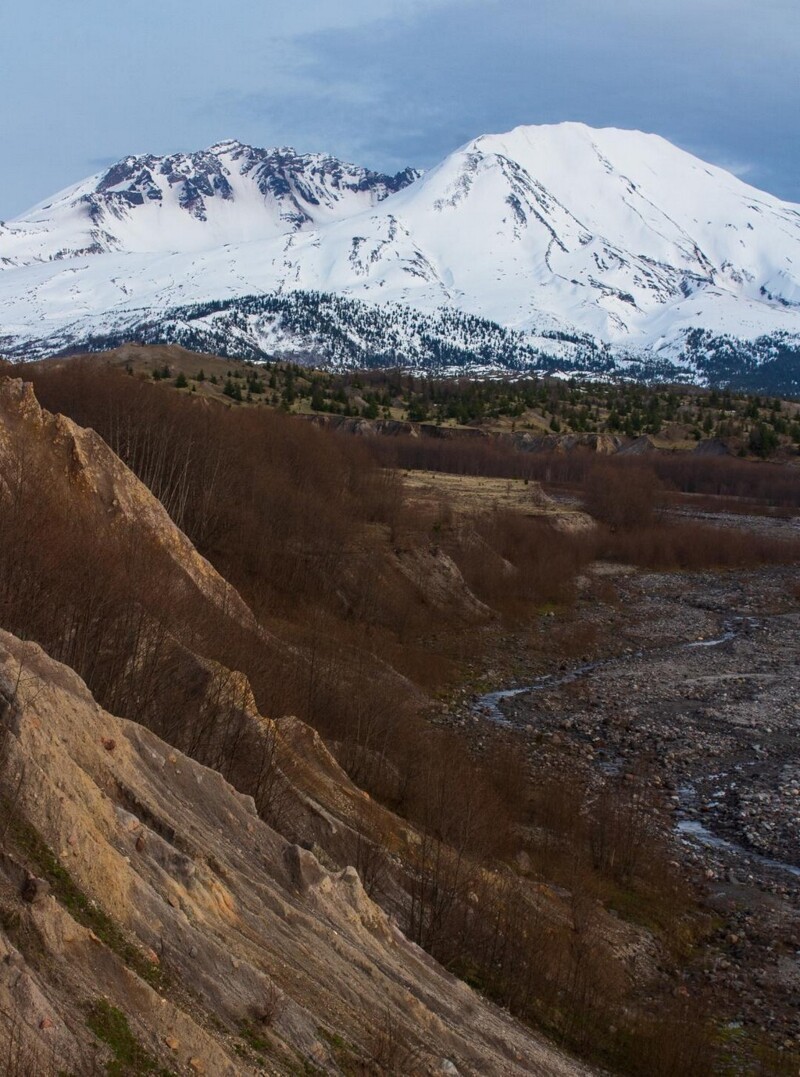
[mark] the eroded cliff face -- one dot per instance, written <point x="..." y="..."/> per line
<point x="102" y="488"/>
<point x="164" y="896"/>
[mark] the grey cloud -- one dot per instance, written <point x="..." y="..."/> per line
<point x="394" y="82"/>
<point x="700" y="73"/>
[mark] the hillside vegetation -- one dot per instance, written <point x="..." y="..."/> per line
<point x="209" y="572"/>
<point x="532" y="414"/>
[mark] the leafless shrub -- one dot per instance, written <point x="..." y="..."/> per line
<point x="518" y="562"/>
<point x="300" y="522"/>
<point x="389" y="1052"/>
<point x="689" y="545"/>
<point x="372" y="857"/>
<point x="17" y="1059"/>
<point x="622" y="497"/>
<point x="271" y="1007"/>
<point x="20" y="1056"/>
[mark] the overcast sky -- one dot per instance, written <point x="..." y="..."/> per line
<point x="389" y="83"/>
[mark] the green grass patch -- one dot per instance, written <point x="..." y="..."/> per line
<point x="640" y="907"/>
<point x="32" y="847"/>
<point x="681" y="928"/>
<point x="253" y="1038"/>
<point x="110" y="1025"/>
<point x="747" y="1051"/>
<point x="343" y="1052"/>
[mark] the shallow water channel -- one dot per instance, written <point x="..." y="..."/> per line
<point x="688" y="826"/>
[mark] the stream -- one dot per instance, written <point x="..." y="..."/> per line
<point x="488" y="705"/>
<point x="688" y="826"/>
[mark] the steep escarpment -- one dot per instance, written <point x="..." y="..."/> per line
<point x="101" y="489"/>
<point x="138" y="882"/>
<point x="177" y="891"/>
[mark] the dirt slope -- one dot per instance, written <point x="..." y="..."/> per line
<point x="236" y="919"/>
<point x="103" y="487"/>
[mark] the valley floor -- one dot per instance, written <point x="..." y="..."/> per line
<point x="690" y="684"/>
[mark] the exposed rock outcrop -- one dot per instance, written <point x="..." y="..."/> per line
<point x="235" y="924"/>
<point x="641" y="446"/>
<point x="523" y="440"/>
<point x="440" y="580"/>
<point x="713" y="447"/>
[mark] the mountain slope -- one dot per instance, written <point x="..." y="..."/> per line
<point x="615" y="236"/>
<point x="229" y="193"/>
<point x="197" y="882"/>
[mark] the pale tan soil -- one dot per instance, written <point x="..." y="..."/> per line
<point x="468" y="495"/>
<point x="199" y="884"/>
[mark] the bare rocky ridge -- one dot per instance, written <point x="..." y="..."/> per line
<point x="602" y="444"/>
<point x="109" y="493"/>
<point x="234" y="912"/>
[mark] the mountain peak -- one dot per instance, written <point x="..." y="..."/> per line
<point x="613" y="234"/>
<point x="230" y="192"/>
<point x="572" y="136"/>
<point x="225" y="145"/>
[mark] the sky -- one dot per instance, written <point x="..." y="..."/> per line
<point x="390" y="83"/>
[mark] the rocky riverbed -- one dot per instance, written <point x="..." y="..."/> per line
<point x="694" y="681"/>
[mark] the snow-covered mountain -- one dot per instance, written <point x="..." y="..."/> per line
<point x="580" y="247"/>
<point x="230" y="193"/>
